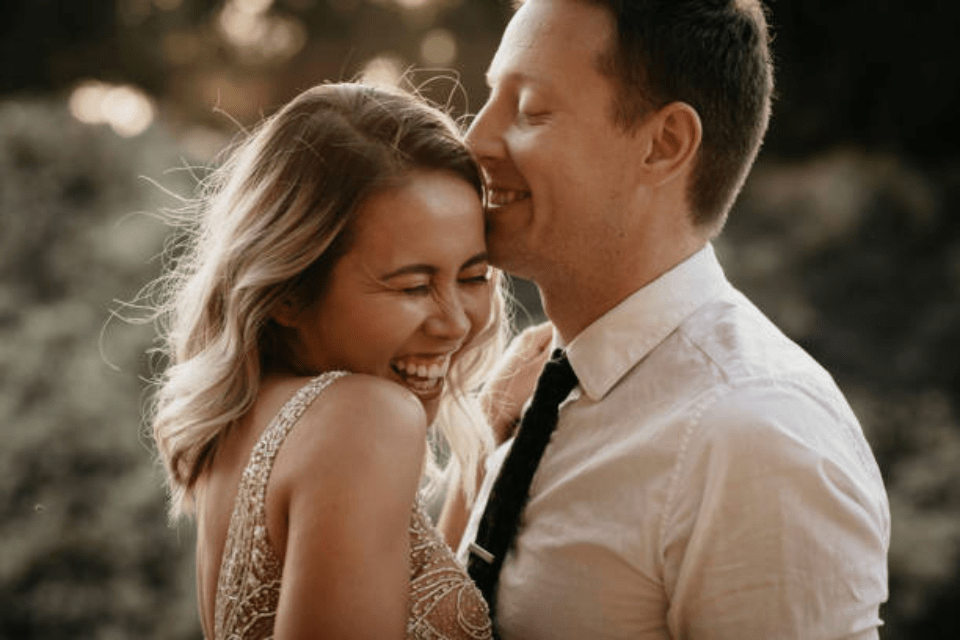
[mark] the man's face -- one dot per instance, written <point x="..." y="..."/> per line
<point x="558" y="169"/>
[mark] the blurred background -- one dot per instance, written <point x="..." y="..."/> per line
<point x="847" y="235"/>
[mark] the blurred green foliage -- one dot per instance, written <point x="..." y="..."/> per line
<point x="846" y="235"/>
<point x="86" y="550"/>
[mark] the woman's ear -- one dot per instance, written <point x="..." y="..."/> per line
<point x="285" y="313"/>
<point x="674" y="135"/>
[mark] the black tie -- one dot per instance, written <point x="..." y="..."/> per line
<point x="510" y="491"/>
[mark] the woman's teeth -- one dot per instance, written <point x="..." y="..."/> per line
<point x="422" y="375"/>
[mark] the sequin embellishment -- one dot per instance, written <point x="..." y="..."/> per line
<point x="444" y="604"/>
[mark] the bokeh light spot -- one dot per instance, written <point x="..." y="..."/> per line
<point x="127" y="109"/>
<point x="259" y="37"/>
<point x="284" y="38"/>
<point x="383" y="70"/>
<point x="438" y="47"/>
<point x="252" y="7"/>
<point x="86" y="102"/>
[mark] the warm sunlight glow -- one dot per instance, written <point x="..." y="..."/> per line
<point x="167" y="5"/>
<point x="241" y="28"/>
<point x="414" y="4"/>
<point x="180" y="47"/>
<point x="253" y="7"/>
<point x="382" y="70"/>
<point x="439" y="47"/>
<point x="284" y="38"/>
<point x="127" y="109"/>
<point x="85" y="102"/>
<point x="345" y="7"/>
<point x="259" y="37"/>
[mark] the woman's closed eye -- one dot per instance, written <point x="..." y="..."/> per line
<point x="423" y="282"/>
<point x="413" y="284"/>
<point x="417" y="289"/>
<point x="475" y="276"/>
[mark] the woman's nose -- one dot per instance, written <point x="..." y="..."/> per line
<point x="449" y="319"/>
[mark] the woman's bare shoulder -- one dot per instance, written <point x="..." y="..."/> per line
<point x="359" y="425"/>
<point x="355" y="469"/>
<point x="384" y="408"/>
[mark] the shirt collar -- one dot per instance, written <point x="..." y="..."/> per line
<point x="607" y="349"/>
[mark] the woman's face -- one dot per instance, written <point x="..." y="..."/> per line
<point x="410" y="293"/>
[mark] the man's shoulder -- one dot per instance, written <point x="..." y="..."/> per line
<point x="736" y="338"/>
<point x="764" y="387"/>
<point x="725" y="346"/>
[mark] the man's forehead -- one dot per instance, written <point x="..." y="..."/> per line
<point x="541" y="32"/>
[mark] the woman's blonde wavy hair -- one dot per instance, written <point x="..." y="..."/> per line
<point x="269" y="225"/>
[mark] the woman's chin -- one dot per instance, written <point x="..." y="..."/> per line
<point x="428" y="393"/>
<point x="431" y="405"/>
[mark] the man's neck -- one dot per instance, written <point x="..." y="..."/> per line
<point x="574" y="297"/>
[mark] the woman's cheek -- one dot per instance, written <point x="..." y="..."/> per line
<point x="478" y="310"/>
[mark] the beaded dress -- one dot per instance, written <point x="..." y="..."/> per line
<point x="444" y="604"/>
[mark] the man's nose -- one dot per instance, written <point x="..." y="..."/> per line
<point x="484" y="135"/>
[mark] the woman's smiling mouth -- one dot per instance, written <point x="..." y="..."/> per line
<point x="422" y="375"/>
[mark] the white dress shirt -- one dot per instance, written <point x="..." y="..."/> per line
<point x="707" y="479"/>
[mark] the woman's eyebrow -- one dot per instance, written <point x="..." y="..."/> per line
<point x="429" y="269"/>
<point x="477" y="259"/>
<point x="407" y="269"/>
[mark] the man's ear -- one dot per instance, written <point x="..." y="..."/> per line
<point x="673" y="137"/>
<point x="285" y="313"/>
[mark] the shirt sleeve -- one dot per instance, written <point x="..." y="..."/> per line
<point x="777" y="523"/>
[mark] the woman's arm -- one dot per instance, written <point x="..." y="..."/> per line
<point x="353" y="476"/>
<point x="510" y="385"/>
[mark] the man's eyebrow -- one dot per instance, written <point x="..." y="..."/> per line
<point x="515" y="78"/>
